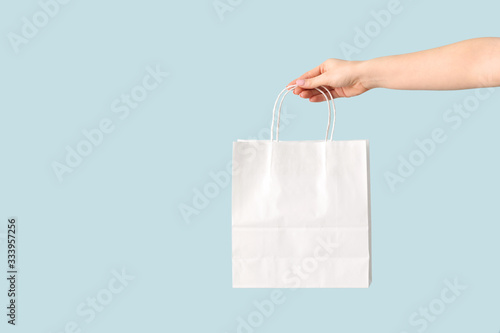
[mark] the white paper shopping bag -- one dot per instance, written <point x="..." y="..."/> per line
<point x="301" y="212"/>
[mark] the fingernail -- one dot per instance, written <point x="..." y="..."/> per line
<point x="300" y="82"/>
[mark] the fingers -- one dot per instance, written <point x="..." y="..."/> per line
<point x="313" y="82"/>
<point x="296" y="90"/>
<point x="315" y="96"/>
<point x="307" y="75"/>
<point x="312" y="73"/>
<point x="291" y="84"/>
<point x="305" y="85"/>
<point x="313" y="92"/>
<point x="319" y="96"/>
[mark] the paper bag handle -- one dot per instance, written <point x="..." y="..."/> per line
<point x="288" y="89"/>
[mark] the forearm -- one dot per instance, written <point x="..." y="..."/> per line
<point x="468" y="64"/>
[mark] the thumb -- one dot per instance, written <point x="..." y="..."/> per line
<point x="312" y="83"/>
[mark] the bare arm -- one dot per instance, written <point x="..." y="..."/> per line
<point x="468" y="64"/>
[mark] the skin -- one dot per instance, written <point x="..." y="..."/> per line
<point x="473" y="63"/>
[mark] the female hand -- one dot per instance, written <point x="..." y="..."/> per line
<point x="341" y="77"/>
<point x="468" y="64"/>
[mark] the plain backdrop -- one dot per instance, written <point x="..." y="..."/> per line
<point x="120" y="208"/>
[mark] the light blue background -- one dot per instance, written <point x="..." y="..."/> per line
<point x="120" y="207"/>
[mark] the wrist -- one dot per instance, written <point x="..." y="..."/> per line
<point x="366" y="74"/>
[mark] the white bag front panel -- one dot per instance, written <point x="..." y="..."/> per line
<point x="301" y="214"/>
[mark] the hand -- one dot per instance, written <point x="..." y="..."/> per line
<point x="341" y="77"/>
